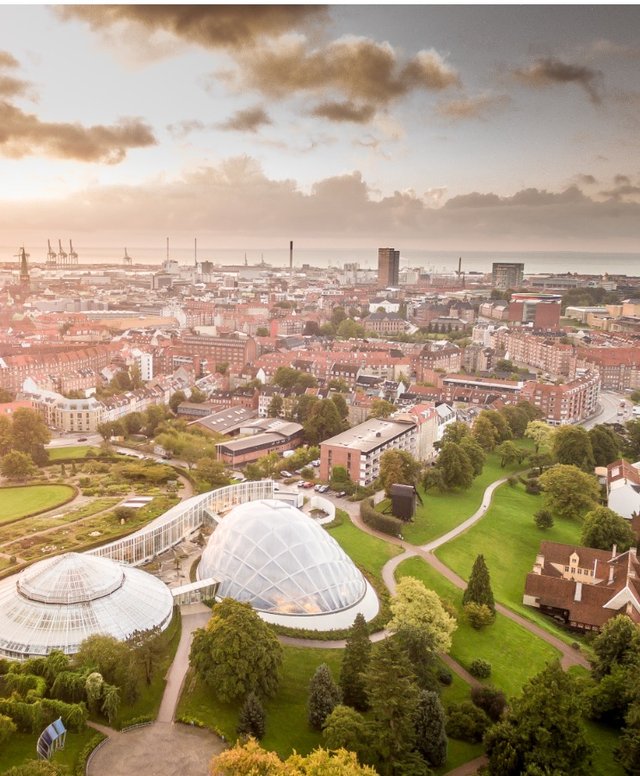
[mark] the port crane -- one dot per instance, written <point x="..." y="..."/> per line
<point x="62" y="256"/>
<point x="51" y="256"/>
<point x="73" y="256"/>
<point x="126" y="259"/>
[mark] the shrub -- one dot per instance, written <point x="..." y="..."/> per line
<point x="513" y="481"/>
<point x="543" y="519"/>
<point x="466" y="722"/>
<point x="491" y="700"/>
<point x="252" y="718"/>
<point x="445" y="676"/>
<point x="480" y="668"/>
<point x="532" y="486"/>
<point x="379" y="522"/>
<point x="478" y="615"/>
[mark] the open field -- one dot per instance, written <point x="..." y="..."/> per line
<point x="440" y="512"/>
<point x="503" y="644"/>
<point x="73" y="451"/>
<point x="509" y="540"/>
<point x="368" y="552"/>
<point x="19" y="502"/>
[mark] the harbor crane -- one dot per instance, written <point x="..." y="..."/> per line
<point x="62" y="256"/>
<point x="51" y="256"/>
<point x="126" y="259"/>
<point x="73" y="256"/>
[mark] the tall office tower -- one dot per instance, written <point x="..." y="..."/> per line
<point x="388" y="266"/>
<point x="507" y="274"/>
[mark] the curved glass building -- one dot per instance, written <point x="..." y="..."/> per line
<point x="60" y="601"/>
<point x="281" y="561"/>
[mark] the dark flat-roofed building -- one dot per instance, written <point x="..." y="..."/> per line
<point x="264" y="436"/>
<point x="228" y="421"/>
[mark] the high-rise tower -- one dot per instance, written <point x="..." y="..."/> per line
<point x="388" y="266"/>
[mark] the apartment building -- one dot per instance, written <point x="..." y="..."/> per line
<point x="430" y="359"/>
<point x="567" y="403"/>
<point x="359" y="449"/>
<point x="546" y="354"/>
<point x="618" y="368"/>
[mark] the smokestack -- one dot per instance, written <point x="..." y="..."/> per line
<point x="195" y="250"/>
<point x="291" y="257"/>
<point x="167" y="249"/>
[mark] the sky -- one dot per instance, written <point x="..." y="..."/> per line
<point x="453" y="128"/>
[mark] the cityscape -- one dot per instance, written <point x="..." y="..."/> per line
<point x="335" y="467"/>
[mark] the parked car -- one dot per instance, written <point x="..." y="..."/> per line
<point x="82" y="439"/>
<point x="307" y="484"/>
<point x="341" y="493"/>
<point x="316" y="463"/>
<point x="286" y="474"/>
<point x="323" y="489"/>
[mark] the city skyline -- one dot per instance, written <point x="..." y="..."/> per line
<point x="487" y="128"/>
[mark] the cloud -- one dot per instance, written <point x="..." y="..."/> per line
<point x="210" y="26"/>
<point x="550" y="71"/>
<point x="7" y="60"/>
<point x="623" y="191"/>
<point x="228" y="200"/>
<point x="344" y="111"/>
<point x="359" y="69"/>
<point x="621" y="179"/>
<point x="12" y="87"/>
<point x="248" y="120"/>
<point x="23" y="134"/>
<point x="182" y="129"/>
<point x="585" y="179"/>
<point x="478" y="107"/>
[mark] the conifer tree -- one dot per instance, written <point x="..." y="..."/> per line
<point x="478" y="590"/>
<point x="431" y="738"/>
<point x="324" y="696"/>
<point x="355" y="662"/>
<point x="252" y="718"/>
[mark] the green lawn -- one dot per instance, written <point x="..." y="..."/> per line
<point x="73" y="451"/>
<point x="509" y="540"/>
<point x="21" y="747"/>
<point x="440" y="512"/>
<point x="20" y="502"/>
<point x="286" y="713"/>
<point x="368" y="552"/>
<point x="458" y="752"/>
<point x="515" y="654"/>
<point x="604" y="740"/>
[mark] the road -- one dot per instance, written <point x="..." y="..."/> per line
<point x="610" y="404"/>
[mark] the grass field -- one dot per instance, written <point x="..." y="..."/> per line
<point x="503" y="644"/>
<point x="440" y="512"/>
<point x="73" y="451"/>
<point x="286" y="713"/>
<point x="368" y="552"/>
<point x="20" y="502"/>
<point x="21" y="747"/>
<point x="509" y="540"/>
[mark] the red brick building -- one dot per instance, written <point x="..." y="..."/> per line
<point x="567" y="403"/>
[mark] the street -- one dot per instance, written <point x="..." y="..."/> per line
<point x="610" y="403"/>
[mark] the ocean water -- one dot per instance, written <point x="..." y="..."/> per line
<point x="430" y="261"/>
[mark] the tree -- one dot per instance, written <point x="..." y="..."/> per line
<point x="479" y="616"/>
<point x="508" y="453"/>
<point x="381" y="408"/>
<point x="324" y="696"/>
<point x="214" y="472"/>
<point x="285" y="376"/>
<point x="568" y="491"/>
<point x="499" y="423"/>
<point x="5" y="435"/>
<point x="474" y="452"/>
<point x="133" y="422"/>
<point x="345" y="728"/>
<point x="110" y="702"/>
<point x="112" y="659"/>
<point x="7" y="728"/>
<point x="349" y="329"/>
<point x="355" y="661"/>
<point x="275" y="406"/>
<point x="542" y="732"/>
<point x="341" y="405"/>
<point x="110" y="429"/>
<point x="262" y="331"/>
<point x="29" y="434"/>
<point x="617" y="644"/>
<point x="303" y="407"/>
<point x="236" y="653"/>
<point x="197" y="396"/>
<point x="632" y="440"/>
<point x="393" y="700"/>
<point x="17" y="466"/>
<point x="572" y="446"/>
<point x="543" y="519"/>
<point x="323" y="422"/>
<point x="542" y="435"/>
<point x="176" y="398"/>
<point x="419" y="613"/>
<point x="603" y="528"/>
<point x="517" y="419"/>
<point x="455" y="432"/>
<point x="148" y="648"/>
<point x="397" y="466"/>
<point x="478" y="590"/>
<point x="456" y="468"/>
<point x="431" y="738"/>
<point x="484" y="432"/>
<point x="540" y="461"/>
<point x="605" y="444"/>
<point x="252" y="718"/>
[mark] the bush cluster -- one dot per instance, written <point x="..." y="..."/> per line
<point x="379" y="522"/>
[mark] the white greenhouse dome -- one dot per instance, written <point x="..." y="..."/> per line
<point x="278" y="559"/>
<point x="58" y="602"/>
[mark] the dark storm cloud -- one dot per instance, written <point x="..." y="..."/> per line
<point x="358" y="68"/>
<point x="24" y="134"/>
<point x="230" y="199"/>
<point x="550" y="71"/>
<point x="248" y="120"/>
<point x="344" y="111"/>
<point x="623" y="191"/>
<point x="480" y="107"/>
<point x="211" y="26"/>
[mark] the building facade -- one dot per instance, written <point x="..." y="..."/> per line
<point x="388" y="267"/>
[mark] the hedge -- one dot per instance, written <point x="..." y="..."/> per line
<point x="378" y="521"/>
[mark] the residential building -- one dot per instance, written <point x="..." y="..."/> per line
<point x="388" y="267"/>
<point x="359" y="449"/>
<point x="541" y="310"/>
<point x="507" y="274"/>
<point x="583" y="587"/>
<point x="623" y="488"/>
<point x="566" y="403"/>
<point x="384" y="323"/>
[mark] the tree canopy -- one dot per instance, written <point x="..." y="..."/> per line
<point x="572" y="446"/>
<point x="478" y="590"/>
<point x="568" y="491"/>
<point x="419" y="611"/>
<point x="603" y="528"/>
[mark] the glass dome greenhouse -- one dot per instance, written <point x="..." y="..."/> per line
<point x="279" y="560"/>
<point x="60" y="601"/>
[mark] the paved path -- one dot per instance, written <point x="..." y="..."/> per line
<point x="469" y="768"/>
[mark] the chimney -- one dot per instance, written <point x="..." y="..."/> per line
<point x="614" y="551"/>
<point x="291" y="257"/>
<point x="595" y="568"/>
<point x="610" y="575"/>
<point x="577" y="596"/>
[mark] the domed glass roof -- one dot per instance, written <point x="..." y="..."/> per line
<point x="60" y="601"/>
<point x="279" y="560"/>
